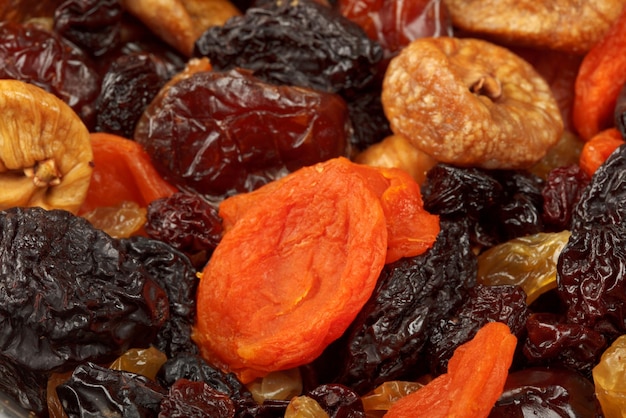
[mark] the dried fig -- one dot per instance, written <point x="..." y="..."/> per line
<point x="566" y="25"/>
<point x="45" y="153"/>
<point x="470" y="102"/>
<point x="181" y="22"/>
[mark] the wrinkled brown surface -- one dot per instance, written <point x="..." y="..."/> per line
<point x="22" y="10"/>
<point x="566" y="25"/>
<point x="181" y="22"/>
<point x="510" y="122"/>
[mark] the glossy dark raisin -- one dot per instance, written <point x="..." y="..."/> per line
<point x="499" y="204"/>
<point x="194" y="368"/>
<point x="220" y="133"/>
<point x="386" y="340"/>
<point x="128" y="86"/>
<point x="506" y="304"/>
<point x="368" y="118"/>
<point x="552" y="341"/>
<point x="94" y="391"/>
<point x="338" y="401"/>
<point x="75" y="286"/>
<point x="192" y="399"/>
<point x="188" y="223"/>
<point x="26" y="387"/>
<point x="174" y="273"/>
<point x="546" y="392"/>
<point x="563" y="188"/>
<point x="93" y="25"/>
<point x="303" y="43"/>
<point x="35" y="55"/>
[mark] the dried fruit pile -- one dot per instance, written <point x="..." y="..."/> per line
<point x="352" y="208"/>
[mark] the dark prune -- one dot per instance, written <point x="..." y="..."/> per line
<point x="368" y="118"/>
<point x="303" y="43"/>
<point x="562" y="190"/>
<point x="220" y="133"/>
<point x="386" y="340"/>
<point x="190" y="399"/>
<point x="500" y="204"/>
<point x="94" y="391"/>
<point x="188" y="223"/>
<point x="26" y="387"/>
<point x="128" y="86"/>
<point x="194" y="368"/>
<point x="338" y="401"/>
<point x="553" y="341"/>
<point x="174" y="273"/>
<point x="603" y="200"/>
<point x="506" y="304"/>
<point x="71" y="293"/>
<point x="93" y="25"/>
<point x="546" y="392"/>
<point x="35" y="55"/>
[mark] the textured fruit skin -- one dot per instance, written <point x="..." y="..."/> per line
<point x="470" y="102"/>
<point x="220" y="133"/>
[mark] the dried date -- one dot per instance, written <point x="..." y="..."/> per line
<point x="219" y="133"/>
<point x="35" y="55"/>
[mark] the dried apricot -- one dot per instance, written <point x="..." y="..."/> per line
<point x="470" y="102"/>
<point x="45" y="152"/>
<point x="567" y="25"/>
<point x="299" y="259"/>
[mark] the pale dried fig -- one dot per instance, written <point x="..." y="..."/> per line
<point x="470" y="102"/>
<point x="45" y="151"/>
<point x="181" y="22"/>
<point x="565" y="25"/>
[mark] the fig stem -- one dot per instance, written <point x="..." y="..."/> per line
<point x="44" y="173"/>
<point x="488" y="86"/>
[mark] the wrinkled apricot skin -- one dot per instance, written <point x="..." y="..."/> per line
<point x="472" y="103"/>
<point x="600" y="78"/>
<point x="598" y="148"/>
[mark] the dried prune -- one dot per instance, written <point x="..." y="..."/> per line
<point x="368" y="118"/>
<point x="194" y="368"/>
<point x="128" y="86"/>
<point x="174" y="273"/>
<point x="94" y="391"/>
<point x="546" y="392"/>
<point x="338" y="401"/>
<point x="483" y="304"/>
<point x="76" y="287"/>
<point x="219" y="133"/>
<point x="26" y="387"/>
<point x="386" y="340"/>
<point x="303" y="43"/>
<point x="93" y="25"/>
<point x="500" y="204"/>
<point x="196" y="399"/>
<point x="188" y="223"/>
<point x="562" y="190"/>
<point x="33" y="54"/>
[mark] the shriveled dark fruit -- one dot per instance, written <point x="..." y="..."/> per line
<point x="386" y="340"/>
<point x="572" y="26"/>
<point x="219" y="133"/>
<point x="196" y="399"/>
<point x="76" y="287"/>
<point x="543" y="392"/>
<point x="93" y="25"/>
<point x="370" y="125"/>
<point x="25" y="387"/>
<point x="97" y="391"/>
<point x="128" y="87"/>
<point x="303" y="43"/>
<point x="470" y="102"/>
<point x="175" y="274"/>
<point x="52" y="63"/>
<point x="563" y="188"/>
<point x="338" y="401"/>
<point x="483" y="304"/>
<point x="188" y="223"/>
